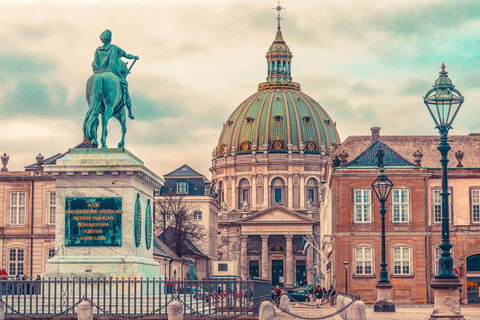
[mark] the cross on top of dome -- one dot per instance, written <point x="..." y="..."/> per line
<point x="278" y="8"/>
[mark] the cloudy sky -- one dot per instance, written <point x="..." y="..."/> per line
<point x="367" y="62"/>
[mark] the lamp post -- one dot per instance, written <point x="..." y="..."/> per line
<point x="382" y="186"/>
<point x="443" y="103"/>
<point x="345" y="265"/>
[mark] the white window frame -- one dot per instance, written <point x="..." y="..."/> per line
<point x="362" y="261"/>
<point x="402" y="261"/>
<point x="437" y="206"/>
<point x="180" y="189"/>
<point x="197" y="215"/>
<point x="52" y="200"/>
<point x="400" y="205"/>
<point x="17" y="260"/>
<point x="18" y="211"/>
<point x="475" y="209"/>
<point x="362" y="207"/>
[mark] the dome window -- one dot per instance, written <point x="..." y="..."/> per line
<point x="249" y="120"/>
<point x="229" y="122"/>
<point x="311" y="145"/>
<point x="278" y="145"/>
<point x="245" y="146"/>
<point x="278" y="99"/>
<point x="307" y="119"/>
<point x="278" y="119"/>
<point x="327" y="122"/>
<point x="298" y="99"/>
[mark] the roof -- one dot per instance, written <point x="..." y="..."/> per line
<point x="368" y="158"/>
<point x="161" y="249"/>
<point x="49" y="161"/>
<point x="279" y="117"/>
<point x="406" y="146"/>
<point x="184" y="171"/>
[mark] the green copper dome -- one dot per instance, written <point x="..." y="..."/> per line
<point x="279" y="117"/>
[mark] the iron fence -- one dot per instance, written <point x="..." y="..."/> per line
<point x="128" y="297"/>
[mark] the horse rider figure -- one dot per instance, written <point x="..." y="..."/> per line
<point x="107" y="59"/>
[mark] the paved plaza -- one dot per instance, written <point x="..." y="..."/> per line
<point x="418" y="312"/>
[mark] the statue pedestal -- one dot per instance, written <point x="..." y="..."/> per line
<point x="446" y="299"/>
<point x="384" y="301"/>
<point x="104" y="216"/>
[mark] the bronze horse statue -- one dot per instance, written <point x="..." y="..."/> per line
<point x="105" y="97"/>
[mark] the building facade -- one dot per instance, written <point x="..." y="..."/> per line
<point x="196" y="192"/>
<point x="27" y="211"/>
<point x="268" y="170"/>
<point x="352" y="225"/>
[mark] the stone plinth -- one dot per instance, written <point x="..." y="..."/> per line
<point x="446" y="299"/>
<point x="112" y="174"/>
<point x="384" y="301"/>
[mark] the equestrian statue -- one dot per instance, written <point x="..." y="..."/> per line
<point x="107" y="91"/>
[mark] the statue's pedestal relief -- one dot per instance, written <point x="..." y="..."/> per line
<point x="94" y="188"/>
<point x="447" y="299"/>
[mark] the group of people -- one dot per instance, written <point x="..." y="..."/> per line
<point x="323" y="295"/>
<point x="9" y="286"/>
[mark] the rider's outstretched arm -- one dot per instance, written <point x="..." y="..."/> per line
<point x="130" y="56"/>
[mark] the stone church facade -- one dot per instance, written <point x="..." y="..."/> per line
<point x="268" y="170"/>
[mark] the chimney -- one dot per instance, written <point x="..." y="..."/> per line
<point x="375" y="133"/>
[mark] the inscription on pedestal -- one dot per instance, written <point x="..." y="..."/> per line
<point x="93" y="221"/>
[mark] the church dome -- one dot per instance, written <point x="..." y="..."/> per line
<point x="279" y="117"/>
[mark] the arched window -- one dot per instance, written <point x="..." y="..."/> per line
<point x="312" y="192"/>
<point x="244" y="192"/>
<point x="220" y="195"/>
<point x="51" y="253"/>
<point x="278" y="192"/>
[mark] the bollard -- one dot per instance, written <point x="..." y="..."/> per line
<point x="2" y="311"/>
<point x="85" y="311"/>
<point x="175" y="310"/>
<point x="266" y="311"/>
<point x="358" y="310"/>
<point x="285" y="302"/>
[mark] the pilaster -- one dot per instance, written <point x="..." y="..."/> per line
<point x="288" y="262"/>
<point x="265" y="261"/>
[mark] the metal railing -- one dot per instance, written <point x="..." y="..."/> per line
<point x="129" y="297"/>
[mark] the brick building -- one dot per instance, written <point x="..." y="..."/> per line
<point x="351" y="224"/>
<point x="27" y="219"/>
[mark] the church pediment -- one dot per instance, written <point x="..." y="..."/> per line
<point x="276" y="215"/>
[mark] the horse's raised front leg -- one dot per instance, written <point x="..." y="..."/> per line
<point x="106" y="116"/>
<point x="121" y="118"/>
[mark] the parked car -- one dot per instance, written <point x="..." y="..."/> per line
<point x="299" y="294"/>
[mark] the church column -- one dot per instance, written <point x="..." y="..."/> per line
<point x="310" y="263"/>
<point x="266" y="189"/>
<point x="265" y="261"/>
<point x="302" y="192"/>
<point x="243" y="258"/>
<point x="288" y="262"/>
<point x="290" y="192"/>
<point x="253" y="197"/>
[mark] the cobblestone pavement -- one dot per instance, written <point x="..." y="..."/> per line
<point x="412" y="312"/>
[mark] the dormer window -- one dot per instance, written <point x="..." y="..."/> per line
<point x="182" y="187"/>
<point x="307" y="119"/>
<point x="249" y="120"/>
<point x="278" y="145"/>
<point x="311" y="145"/>
<point x="229" y="122"/>
<point x="278" y="119"/>
<point x="245" y="146"/>
<point x="327" y="122"/>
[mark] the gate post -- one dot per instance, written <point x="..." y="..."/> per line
<point x="262" y="289"/>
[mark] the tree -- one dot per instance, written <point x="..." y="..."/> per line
<point x="175" y="222"/>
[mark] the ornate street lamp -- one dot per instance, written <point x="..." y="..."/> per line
<point x="382" y="186"/>
<point x="345" y="265"/>
<point x="443" y="102"/>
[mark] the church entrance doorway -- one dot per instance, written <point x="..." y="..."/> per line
<point x="277" y="272"/>
<point x="301" y="273"/>
<point x="254" y="268"/>
<point x="473" y="278"/>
